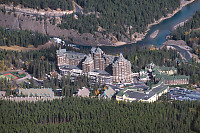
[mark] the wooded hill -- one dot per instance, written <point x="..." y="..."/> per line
<point x="190" y="32"/>
<point x="21" y="38"/>
<point x="119" y="17"/>
<point x="94" y="115"/>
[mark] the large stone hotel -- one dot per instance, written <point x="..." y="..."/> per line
<point x="108" y="67"/>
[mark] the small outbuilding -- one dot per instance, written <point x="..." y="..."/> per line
<point x="84" y="92"/>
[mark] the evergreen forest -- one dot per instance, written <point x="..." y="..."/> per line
<point x="37" y="63"/>
<point x="40" y="63"/>
<point x="162" y="57"/>
<point x="93" y="115"/>
<point x="23" y="38"/>
<point x="118" y="17"/>
<point x="190" y="32"/>
<point x="121" y="19"/>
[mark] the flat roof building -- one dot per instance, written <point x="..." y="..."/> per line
<point x="44" y="92"/>
<point x="142" y="93"/>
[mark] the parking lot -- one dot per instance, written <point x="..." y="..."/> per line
<point x="184" y="94"/>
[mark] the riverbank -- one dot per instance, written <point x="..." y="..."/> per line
<point x="29" y="22"/>
<point x="171" y="47"/>
<point x="116" y="44"/>
<point x="141" y="36"/>
<point x="181" y="47"/>
<point x="183" y="3"/>
<point x="179" y="25"/>
<point x="119" y="44"/>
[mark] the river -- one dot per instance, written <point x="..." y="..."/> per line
<point x="165" y="27"/>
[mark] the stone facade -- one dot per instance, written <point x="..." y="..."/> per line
<point x="122" y="70"/>
<point x="88" y="64"/>
<point x="69" y="58"/>
<point x="98" y="59"/>
<point x="117" y="66"/>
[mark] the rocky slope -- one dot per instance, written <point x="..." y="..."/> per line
<point x="27" y="22"/>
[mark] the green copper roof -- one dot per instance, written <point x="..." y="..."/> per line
<point x="166" y="77"/>
<point x="163" y="68"/>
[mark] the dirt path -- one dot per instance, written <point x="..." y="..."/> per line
<point x="41" y="12"/>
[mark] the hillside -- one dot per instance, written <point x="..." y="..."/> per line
<point x="120" y="19"/>
<point x="26" y="22"/>
<point x="190" y="32"/>
<point x="21" y="38"/>
<point x="100" y="22"/>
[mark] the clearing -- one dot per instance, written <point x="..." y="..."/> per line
<point x="30" y="47"/>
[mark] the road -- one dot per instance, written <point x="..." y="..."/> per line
<point x="115" y="87"/>
<point x="28" y="76"/>
<point x="77" y="7"/>
<point x="31" y="12"/>
<point x="36" y="14"/>
<point x="47" y="14"/>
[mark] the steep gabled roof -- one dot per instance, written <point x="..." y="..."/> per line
<point x="60" y="51"/>
<point x="119" y="59"/>
<point x="88" y="59"/>
<point x="98" y="50"/>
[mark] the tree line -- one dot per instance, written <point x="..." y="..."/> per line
<point x="94" y="115"/>
<point x="141" y="56"/>
<point x="117" y="17"/>
<point x="38" y="63"/>
<point x="23" y="38"/>
<point x="163" y="57"/>
<point x="190" y="32"/>
<point x="122" y="19"/>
